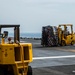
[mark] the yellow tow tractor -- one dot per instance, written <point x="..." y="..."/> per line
<point x="14" y="56"/>
<point x="65" y="36"/>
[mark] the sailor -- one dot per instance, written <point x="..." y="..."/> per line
<point x="66" y="32"/>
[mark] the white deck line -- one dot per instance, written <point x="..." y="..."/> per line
<point x="53" y="57"/>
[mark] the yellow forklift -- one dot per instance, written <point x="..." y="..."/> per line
<point x="14" y="56"/>
<point x="65" y="36"/>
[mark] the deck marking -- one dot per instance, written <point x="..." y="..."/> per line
<point x="53" y="57"/>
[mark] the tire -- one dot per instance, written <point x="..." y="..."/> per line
<point x="72" y="43"/>
<point x="29" y="70"/>
<point x="63" y="43"/>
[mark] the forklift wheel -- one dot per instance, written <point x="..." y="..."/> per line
<point x="29" y="70"/>
<point x="63" y="43"/>
<point x="72" y="43"/>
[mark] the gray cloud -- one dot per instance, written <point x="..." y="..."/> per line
<point x="33" y="14"/>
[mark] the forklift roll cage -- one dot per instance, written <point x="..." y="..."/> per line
<point x="16" y="31"/>
<point x="67" y="25"/>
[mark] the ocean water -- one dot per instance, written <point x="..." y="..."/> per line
<point x="27" y="35"/>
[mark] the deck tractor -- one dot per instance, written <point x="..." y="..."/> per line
<point x="14" y="56"/>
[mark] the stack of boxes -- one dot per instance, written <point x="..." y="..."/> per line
<point x="49" y="36"/>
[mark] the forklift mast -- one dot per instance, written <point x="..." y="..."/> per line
<point x="16" y="31"/>
<point x="67" y="25"/>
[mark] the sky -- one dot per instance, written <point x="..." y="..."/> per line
<point x="33" y="14"/>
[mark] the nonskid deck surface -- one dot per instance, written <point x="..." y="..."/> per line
<point x="55" y="70"/>
<point x="53" y="60"/>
